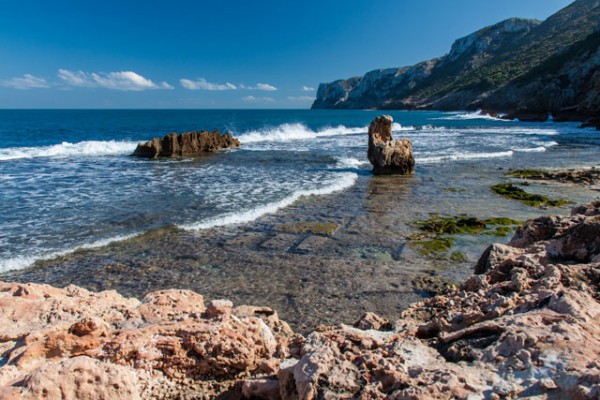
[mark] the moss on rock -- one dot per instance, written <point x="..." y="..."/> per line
<point x="510" y="191"/>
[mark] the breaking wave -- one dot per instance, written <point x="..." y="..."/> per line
<point x="343" y="182"/>
<point x="67" y="149"/>
<point x="288" y="132"/>
<point x="26" y="261"/>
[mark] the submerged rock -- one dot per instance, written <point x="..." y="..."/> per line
<point x="186" y="144"/>
<point x="524" y="325"/>
<point x="389" y="156"/>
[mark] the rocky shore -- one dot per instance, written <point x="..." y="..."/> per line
<point x="526" y="324"/>
<point x="186" y="144"/>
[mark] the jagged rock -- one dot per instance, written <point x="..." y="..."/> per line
<point x="186" y="144"/>
<point x="373" y="321"/>
<point x="79" y="344"/>
<point x="526" y="325"/>
<point x="389" y="156"/>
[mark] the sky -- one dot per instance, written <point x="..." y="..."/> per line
<point x="221" y="54"/>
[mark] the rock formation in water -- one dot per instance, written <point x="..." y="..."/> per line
<point x="186" y="144"/>
<point x="525" y="68"/>
<point x="525" y="325"/>
<point x="386" y="154"/>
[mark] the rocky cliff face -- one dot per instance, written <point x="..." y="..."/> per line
<point x="517" y="65"/>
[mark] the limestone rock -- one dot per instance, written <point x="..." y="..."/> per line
<point x="389" y="156"/>
<point x="526" y="324"/>
<point x="186" y="144"/>
<point x="562" y="79"/>
<point x="71" y="343"/>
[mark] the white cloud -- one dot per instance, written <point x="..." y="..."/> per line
<point x="260" y="86"/>
<point x="202" y="84"/>
<point x="124" y="80"/>
<point x="252" y="99"/>
<point x="27" y="81"/>
<point x="308" y="89"/>
<point x="265" y="87"/>
<point x="301" y="98"/>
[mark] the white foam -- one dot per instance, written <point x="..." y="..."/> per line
<point x="539" y="149"/>
<point x="26" y="261"/>
<point x="351" y="162"/>
<point x="345" y="181"/>
<point x="66" y="149"/>
<point x="289" y="132"/>
<point x="465" y="156"/>
<point x="396" y="127"/>
<point x="469" y="116"/>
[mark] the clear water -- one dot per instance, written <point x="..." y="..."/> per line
<point x="68" y="180"/>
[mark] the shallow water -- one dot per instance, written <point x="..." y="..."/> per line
<point x="226" y="225"/>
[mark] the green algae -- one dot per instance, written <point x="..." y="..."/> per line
<point x="458" y="256"/>
<point x="436" y="236"/>
<point x="510" y="191"/>
<point x="316" y="228"/>
<point x="528" y="173"/>
<point x="462" y="224"/>
<point x="454" y="189"/>
<point x="502" y="221"/>
<point x="434" y="247"/>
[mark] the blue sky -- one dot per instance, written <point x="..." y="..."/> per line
<point x="226" y="54"/>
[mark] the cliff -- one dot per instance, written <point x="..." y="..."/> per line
<point x="515" y="66"/>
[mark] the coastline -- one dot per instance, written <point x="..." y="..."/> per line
<point x="367" y="263"/>
<point x="507" y="331"/>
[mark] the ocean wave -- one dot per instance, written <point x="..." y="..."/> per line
<point x="351" y="162"/>
<point x="345" y="181"/>
<point x="539" y="149"/>
<point x="26" y="261"/>
<point x="469" y="116"/>
<point x="396" y="127"/>
<point x="67" y="149"/>
<point x="465" y="156"/>
<point x="289" y="132"/>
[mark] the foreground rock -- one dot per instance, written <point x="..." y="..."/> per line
<point x="186" y="144"/>
<point x="71" y="343"/>
<point x="525" y="325"/>
<point x="389" y="156"/>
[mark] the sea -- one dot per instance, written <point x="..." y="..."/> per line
<point x="68" y="180"/>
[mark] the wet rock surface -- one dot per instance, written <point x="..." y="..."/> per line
<point x="386" y="154"/>
<point x="526" y="324"/>
<point x="581" y="177"/>
<point x="186" y="144"/>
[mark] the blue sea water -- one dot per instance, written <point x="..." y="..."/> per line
<point x="67" y="179"/>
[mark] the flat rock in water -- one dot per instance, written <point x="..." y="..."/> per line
<point x="186" y="144"/>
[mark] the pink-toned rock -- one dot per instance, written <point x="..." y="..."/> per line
<point x="164" y="341"/>
<point x="217" y="308"/>
<point x="373" y="321"/>
<point x="77" y="378"/>
<point x="527" y="323"/>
